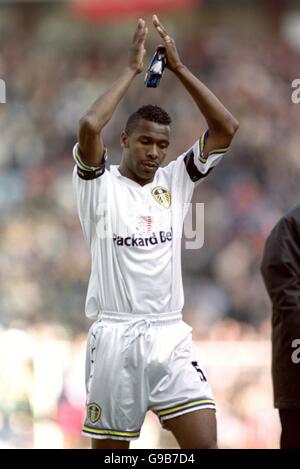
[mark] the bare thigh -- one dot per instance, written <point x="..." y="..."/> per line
<point x="109" y="444"/>
<point x="195" y="429"/>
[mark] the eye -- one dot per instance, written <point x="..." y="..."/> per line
<point x="144" y="139"/>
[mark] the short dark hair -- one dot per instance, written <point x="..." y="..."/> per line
<point x="149" y="113"/>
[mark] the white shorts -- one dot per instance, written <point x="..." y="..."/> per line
<point x="139" y="364"/>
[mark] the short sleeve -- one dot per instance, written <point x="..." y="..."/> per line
<point x="199" y="166"/>
<point x="85" y="170"/>
<point x="90" y="188"/>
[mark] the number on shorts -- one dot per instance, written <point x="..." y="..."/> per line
<point x="196" y="366"/>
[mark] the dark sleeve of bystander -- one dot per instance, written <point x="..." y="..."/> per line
<point x="280" y="269"/>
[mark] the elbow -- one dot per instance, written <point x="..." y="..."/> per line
<point x="235" y="125"/>
<point x="226" y="129"/>
<point x="93" y="123"/>
<point x="88" y="125"/>
<point x="231" y="127"/>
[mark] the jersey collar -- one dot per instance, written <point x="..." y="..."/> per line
<point x="114" y="169"/>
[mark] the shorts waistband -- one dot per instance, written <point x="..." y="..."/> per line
<point x="170" y="317"/>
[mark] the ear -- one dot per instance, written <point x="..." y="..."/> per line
<point x="124" y="140"/>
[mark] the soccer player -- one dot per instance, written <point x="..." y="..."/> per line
<point x="139" y="350"/>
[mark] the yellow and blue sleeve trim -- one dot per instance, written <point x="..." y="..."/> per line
<point x="185" y="408"/>
<point x="84" y="169"/>
<point x="110" y="433"/>
<point x="217" y="151"/>
<point x="83" y="164"/>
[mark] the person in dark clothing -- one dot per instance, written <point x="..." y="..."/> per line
<point x="280" y="269"/>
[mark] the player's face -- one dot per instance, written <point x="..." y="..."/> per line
<point x="145" y="149"/>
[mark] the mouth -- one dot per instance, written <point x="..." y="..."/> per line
<point x="150" y="165"/>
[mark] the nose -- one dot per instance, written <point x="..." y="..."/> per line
<point x="153" y="152"/>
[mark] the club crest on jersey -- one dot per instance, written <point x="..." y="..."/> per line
<point x="162" y="196"/>
<point x="93" y="412"/>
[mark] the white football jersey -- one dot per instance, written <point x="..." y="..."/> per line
<point x="134" y="232"/>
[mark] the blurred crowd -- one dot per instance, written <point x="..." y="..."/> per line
<point x="54" y="66"/>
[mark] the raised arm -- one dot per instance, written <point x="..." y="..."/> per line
<point x="221" y="123"/>
<point x="91" y="124"/>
